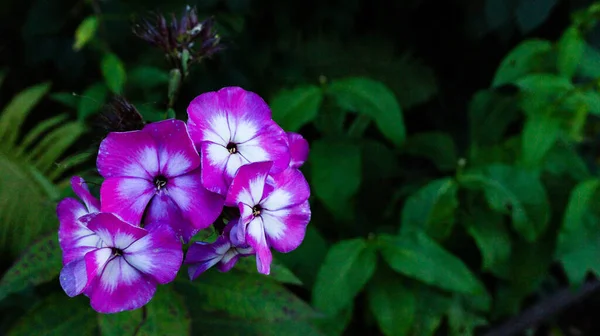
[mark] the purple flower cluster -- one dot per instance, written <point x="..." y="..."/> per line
<point x="164" y="183"/>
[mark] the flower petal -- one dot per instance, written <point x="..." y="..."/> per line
<point x="73" y="277"/>
<point x="228" y="260"/>
<point x="248" y="185"/>
<point x="202" y="256"/>
<point x="269" y="144"/>
<point x="120" y="287"/>
<point x="127" y="197"/>
<point x="290" y="188"/>
<point x="230" y="112"/>
<point x="255" y="236"/>
<point x="158" y="254"/>
<point x="95" y="261"/>
<point x="298" y="149"/>
<point x="176" y="152"/>
<point x="198" y="205"/>
<point x="285" y="229"/>
<point x="163" y="209"/>
<point x="114" y="232"/>
<point x="128" y="154"/>
<point x="81" y="190"/>
<point x="214" y="162"/>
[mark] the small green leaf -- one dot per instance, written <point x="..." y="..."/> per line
<point x="335" y="174"/>
<point x="147" y="77"/>
<point x="91" y="101"/>
<point x="292" y="109"/>
<point x="524" y="59"/>
<point x="54" y="145"/>
<point x="302" y="261"/>
<point x="114" y="73"/>
<point x="58" y="315"/>
<point x="348" y="266"/>
<point x="335" y="325"/>
<point x="490" y="113"/>
<point x="431" y="308"/>
<point x="461" y="321"/>
<point x="420" y="257"/>
<point x="14" y="114"/>
<point x="438" y="147"/>
<point x="65" y="98"/>
<point x="123" y="323"/>
<point x="166" y="315"/>
<point x="539" y="135"/>
<point x="515" y="192"/>
<point x="431" y="209"/>
<point x="491" y="236"/>
<point x="393" y="305"/>
<point x="579" y="237"/>
<point x="373" y="99"/>
<point x="85" y="32"/>
<point x="544" y="83"/>
<point x="570" y="50"/>
<point x="589" y="65"/>
<point x="38" y="264"/>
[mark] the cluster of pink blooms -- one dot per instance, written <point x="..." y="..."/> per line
<point x="166" y="182"/>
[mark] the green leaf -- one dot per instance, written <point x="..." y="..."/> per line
<point x="35" y="134"/>
<point x="563" y="159"/>
<point x="91" y="101"/>
<point x="57" y="315"/>
<point x="579" y="237"/>
<point x="420" y="257"/>
<point x="147" y="77"/>
<point x="54" y="145"/>
<point x="278" y="271"/>
<point x="246" y="296"/>
<point x="432" y="209"/>
<point x="65" y="98"/>
<point x="292" y="109"/>
<point x="539" y="135"/>
<point x="373" y="99"/>
<point x="544" y="83"/>
<point x="165" y="314"/>
<point x="524" y="59"/>
<point x="438" y="147"/>
<point x="335" y="174"/>
<point x="348" y="266"/>
<point x="14" y="114"/>
<point x="302" y="261"/>
<point x="393" y="305"/>
<point x="335" y="325"/>
<point x="114" y="73"/>
<point x="491" y="236"/>
<point x="532" y="13"/>
<point x="570" y="50"/>
<point x="215" y="324"/>
<point x="589" y="65"/>
<point x="85" y="32"/>
<point x="490" y="113"/>
<point x="40" y="263"/>
<point x="431" y="308"/>
<point x="515" y="192"/>
<point x="461" y="321"/>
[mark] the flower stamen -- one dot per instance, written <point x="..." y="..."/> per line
<point x="160" y="181"/>
<point x="256" y="210"/>
<point x="232" y="148"/>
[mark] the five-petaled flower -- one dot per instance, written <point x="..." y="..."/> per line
<point x="274" y="211"/>
<point x="155" y="171"/>
<point x="126" y="266"/>
<point x="233" y="127"/>
<point x="223" y="253"/>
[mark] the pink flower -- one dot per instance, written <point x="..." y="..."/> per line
<point x="156" y="171"/>
<point x="123" y="271"/>
<point x="223" y="253"/>
<point x="274" y="212"/>
<point x="298" y="149"/>
<point x="231" y="128"/>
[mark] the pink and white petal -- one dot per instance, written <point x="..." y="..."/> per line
<point x="246" y="112"/>
<point x="95" y="261"/>
<point x="76" y="253"/>
<point x="127" y="197"/>
<point x="69" y="210"/>
<point x="120" y="287"/>
<point x="113" y="231"/>
<point x="298" y="149"/>
<point x="228" y="261"/>
<point x="233" y="165"/>
<point x="73" y="277"/>
<point x="202" y="256"/>
<point x="176" y="152"/>
<point x="128" y="154"/>
<point x="198" y="205"/>
<point x="237" y="231"/>
<point x="207" y="119"/>
<point x="290" y="188"/>
<point x="248" y="185"/>
<point x="255" y="236"/>
<point x="81" y="190"/>
<point x="158" y="255"/>
<point x="270" y="144"/>
<point x="214" y="162"/>
<point x="163" y="209"/>
<point x="285" y="229"/>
